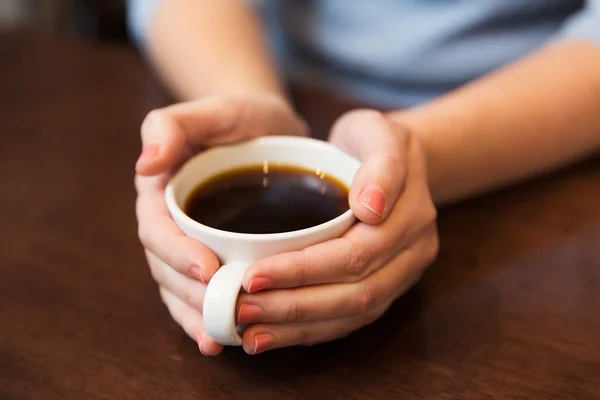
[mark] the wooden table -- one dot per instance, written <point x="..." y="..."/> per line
<point x="509" y="311"/>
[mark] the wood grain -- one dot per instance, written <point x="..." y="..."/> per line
<point x="509" y="310"/>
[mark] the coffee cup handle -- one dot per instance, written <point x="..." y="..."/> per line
<point x="220" y="300"/>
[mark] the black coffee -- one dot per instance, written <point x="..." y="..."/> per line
<point x="269" y="198"/>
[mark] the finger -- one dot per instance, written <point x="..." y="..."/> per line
<point x="178" y="131"/>
<point x="326" y="302"/>
<point x="161" y="236"/>
<point x="188" y="290"/>
<point x="191" y="322"/>
<point x="362" y="250"/>
<point x="369" y="136"/>
<point x="337" y="260"/>
<point x="262" y="337"/>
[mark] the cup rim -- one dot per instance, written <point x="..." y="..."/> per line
<point x="179" y="214"/>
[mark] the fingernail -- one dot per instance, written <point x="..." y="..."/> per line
<point x="197" y="273"/>
<point x="259" y="283"/>
<point x="373" y="199"/>
<point x="199" y="341"/>
<point x="248" y="313"/>
<point x="149" y="152"/>
<point x="262" y="342"/>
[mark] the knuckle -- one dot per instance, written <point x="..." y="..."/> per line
<point x="402" y="134"/>
<point x="302" y="267"/>
<point x="222" y="103"/>
<point x="392" y="162"/>
<point x="144" y="235"/>
<point x="432" y="247"/>
<point x="173" y="309"/>
<point x="188" y="294"/>
<point x="294" y="312"/>
<point x="373" y="316"/>
<point x="137" y="183"/>
<point x="156" y="272"/>
<point x="195" y="294"/>
<point x="356" y="262"/>
<point x="226" y="113"/>
<point x="301" y="275"/>
<point x="341" y="132"/>
<point x="163" y="297"/>
<point x="348" y="118"/>
<point x="340" y="333"/>
<point x="365" y="299"/>
<point x="151" y="116"/>
<point x="157" y="112"/>
<point x="344" y="334"/>
<point x="186" y="320"/>
<point x="424" y="215"/>
<point x="430" y="212"/>
<point x="379" y="247"/>
<point x="176" y="254"/>
<point x="194" y="297"/>
<point x="427" y="252"/>
<point x="158" y="269"/>
<point x="305" y="338"/>
<point x="184" y="265"/>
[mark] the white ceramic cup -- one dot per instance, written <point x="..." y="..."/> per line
<point x="237" y="251"/>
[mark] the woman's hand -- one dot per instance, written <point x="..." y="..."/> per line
<point x="180" y="265"/>
<point x="331" y="289"/>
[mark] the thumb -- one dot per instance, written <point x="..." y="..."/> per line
<point x="172" y="134"/>
<point x="162" y="143"/>
<point x="381" y="146"/>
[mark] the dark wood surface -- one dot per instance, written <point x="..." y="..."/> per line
<point x="510" y="310"/>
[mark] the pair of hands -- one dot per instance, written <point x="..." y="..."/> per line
<point x="323" y="292"/>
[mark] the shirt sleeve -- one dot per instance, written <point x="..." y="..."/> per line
<point x="585" y="24"/>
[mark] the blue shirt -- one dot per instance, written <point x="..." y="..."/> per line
<point x="405" y="52"/>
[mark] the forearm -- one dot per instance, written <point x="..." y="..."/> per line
<point x="535" y="115"/>
<point x="206" y="47"/>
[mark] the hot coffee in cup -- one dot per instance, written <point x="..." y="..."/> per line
<point x="255" y="199"/>
<point x="267" y="198"/>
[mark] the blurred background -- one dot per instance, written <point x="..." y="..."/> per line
<point x="92" y="19"/>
